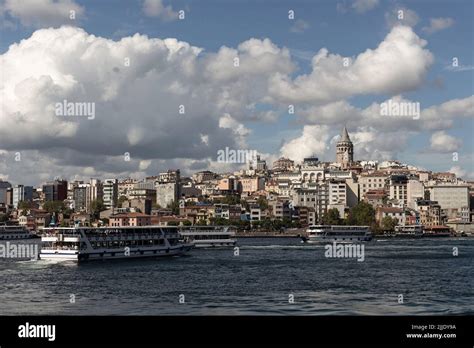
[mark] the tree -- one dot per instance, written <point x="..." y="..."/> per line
<point x="121" y="200"/>
<point x="389" y="223"/>
<point x="201" y="223"/>
<point x="219" y="221"/>
<point x="231" y="199"/>
<point x="4" y="217"/>
<point x="262" y="203"/>
<point x="174" y="206"/>
<point x="24" y="206"/>
<point x="332" y="217"/>
<point x="363" y="214"/>
<point x="187" y="223"/>
<point x="54" y="207"/>
<point x="97" y="206"/>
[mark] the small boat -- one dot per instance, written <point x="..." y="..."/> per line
<point x="208" y="236"/>
<point x="409" y="231"/>
<point x="338" y="234"/>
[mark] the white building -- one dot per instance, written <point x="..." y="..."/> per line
<point x="415" y="191"/>
<point x="110" y="193"/>
<point x="451" y="198"/>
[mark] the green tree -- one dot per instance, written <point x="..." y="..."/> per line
<point x="389" y="223"/>
<point x="4" y="217"/>
<point x="187" y="223"/>
<point x="219" y="221"/>
<point x="97" y="206"/>
<point x="24" y="206"/>
<point x="332" y="217"/>
<point x="363" y="214"/>
<point x="231" y="199"/>
<point x="201" y="223"/>
<point x="121" y="200"/>
<point x="54" y="207"/>
<point x="174" y="206"/>
<point x="262" y="203"/>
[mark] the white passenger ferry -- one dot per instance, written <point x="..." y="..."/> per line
<point x="208" y="236"/>
<point x="89" y="243"/>
<point x="338" y="234"/>
<point x="14" y="232"/>
<point x="409" y="231"/>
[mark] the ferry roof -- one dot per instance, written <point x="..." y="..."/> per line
<point x="134" y="227"/>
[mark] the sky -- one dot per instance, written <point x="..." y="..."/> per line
<point x="174" y="82"/>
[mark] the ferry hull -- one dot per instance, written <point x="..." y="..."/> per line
<point x="324" y="240"/>
<point x="215" y="243"/>
<point x="113" y="254"/>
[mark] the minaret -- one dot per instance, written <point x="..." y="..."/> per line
<point x="344" y="150"/>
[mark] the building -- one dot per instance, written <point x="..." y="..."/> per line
<point x="227" y="184"/>
<point x="452" y="198"/>
<point x="141" y="193"/>
<point x="55" y="190"/>
<point x="166" y="193"/>
<point x="311" y="171"/>
<point x="80" y="197"/>
<point x="129" y="219"/>
<point x="415" y="191"/>
<point x="4" y="186"/>
<point x="228" y="212"/>
<point x="398" y="188"/>
<point x="197" y="213"/>
<point x="256" y="213"/>
<point x="430" y="212"/>
<point x="110" y="193"/>
<point x="169" y="176"/>
<point x="344" y="150"/>
<point x="96" y="191"/>
<point x="315" y="197"/>
<point x="252" y="184"/>
<point x="141" y="205"/>
<point x="394" y="213"/>
<point x="125" y="185"/>
<point x="21" y="193"/>
<point x="167" y="187"/>
<point x="206" y="175"/>
<point x="372" y="181"/>
<point x="283" y="165"/>
<point x="376" y="198"/>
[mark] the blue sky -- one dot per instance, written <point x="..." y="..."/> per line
<point x="335" y="25"/>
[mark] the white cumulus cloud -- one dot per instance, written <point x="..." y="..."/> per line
<point x="398" y="64"/>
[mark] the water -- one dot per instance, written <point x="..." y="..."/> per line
<point x="258" y="282"/>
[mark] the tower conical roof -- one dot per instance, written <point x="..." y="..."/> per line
<point x="345" y="135"/>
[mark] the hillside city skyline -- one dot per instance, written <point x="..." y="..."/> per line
<point x="95" y="90"/>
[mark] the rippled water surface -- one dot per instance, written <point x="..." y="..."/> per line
<point x="258" y="281"/>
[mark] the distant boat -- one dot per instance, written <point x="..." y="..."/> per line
<point x="208" y="236"/>
<point x="409" y="231"/>
<point x="100" y="243"/>
<point x="336" y="233"/>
